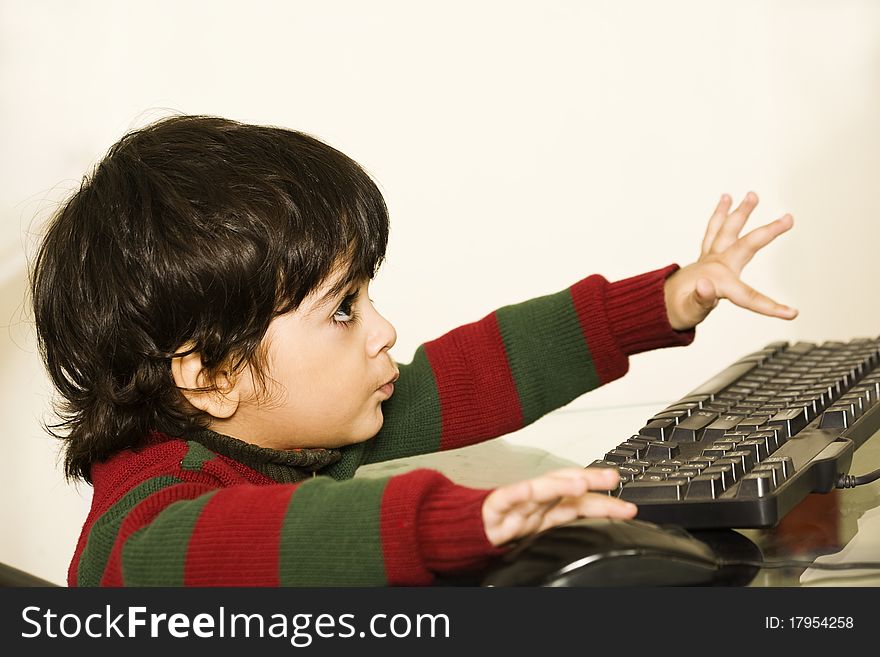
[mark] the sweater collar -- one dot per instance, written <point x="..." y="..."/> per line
<point x="283" y="466"/>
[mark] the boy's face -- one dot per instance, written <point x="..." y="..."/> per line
<point x="327" y="369"/>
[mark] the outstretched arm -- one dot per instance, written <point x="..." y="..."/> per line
<point x="494" y="376"/>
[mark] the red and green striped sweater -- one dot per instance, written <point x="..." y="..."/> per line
<point x="206" y="510"/>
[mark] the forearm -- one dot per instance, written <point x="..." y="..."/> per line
<point x="367" y="532"/>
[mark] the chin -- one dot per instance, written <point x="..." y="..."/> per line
<point x="370" y="427"/>
<point x="355" y="430"/>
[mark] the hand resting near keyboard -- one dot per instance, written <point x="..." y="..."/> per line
<point x="523" y="508"/>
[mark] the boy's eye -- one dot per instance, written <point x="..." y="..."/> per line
<point x="345" y="312"/>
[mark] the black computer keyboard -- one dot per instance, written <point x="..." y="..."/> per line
<point x="748" y="445"/>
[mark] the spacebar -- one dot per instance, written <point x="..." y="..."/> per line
<point x="723" y="379"/>
<point x="653" y="491"/>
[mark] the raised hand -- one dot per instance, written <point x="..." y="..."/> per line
<point x="693" y="291"/>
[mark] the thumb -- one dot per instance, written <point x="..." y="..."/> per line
<point x="705" y="295"/>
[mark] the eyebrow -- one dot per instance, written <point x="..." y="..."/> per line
<point x="334" y="297"/>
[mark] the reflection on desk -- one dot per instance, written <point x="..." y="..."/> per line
<point x="864" y="546"/>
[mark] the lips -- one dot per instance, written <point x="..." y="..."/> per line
<point x="388" y="388"/>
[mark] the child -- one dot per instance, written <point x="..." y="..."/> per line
<point x="202" y="307"/>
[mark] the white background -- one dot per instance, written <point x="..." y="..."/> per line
<point x="520" y="146"/>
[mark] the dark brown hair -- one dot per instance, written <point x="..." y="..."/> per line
<point x="194" y="229"/>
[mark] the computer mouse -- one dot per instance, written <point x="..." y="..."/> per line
<point x="606" y="552"/>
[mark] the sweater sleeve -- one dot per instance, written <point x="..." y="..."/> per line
<point x="497" y="375"/>
<point x="402" y="530"/>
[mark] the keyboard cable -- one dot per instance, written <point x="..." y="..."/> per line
<point x="851" y="481"/>
<point x="800" y="563"/>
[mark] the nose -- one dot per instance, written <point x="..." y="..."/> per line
<point x="382" y="335"/>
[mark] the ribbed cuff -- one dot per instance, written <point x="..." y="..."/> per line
<point x="431" y="526"/>
<point x="452" y="535"/>
<point x="637" y="313"/>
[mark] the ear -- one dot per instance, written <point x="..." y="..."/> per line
<point x="189" y="374"/>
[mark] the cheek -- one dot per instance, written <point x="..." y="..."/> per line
<point x="332" y="367"/>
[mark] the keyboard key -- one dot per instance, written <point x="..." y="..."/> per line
<point x="724" y="472"/>
<point x="628" y="473"/>
<point x="873" y="386"/>
<point x="736" y="466"/>
<point x="673" y="462"/>
<point x="744" y="457"/>
<point x="808" y="404"/>
<point x="653" y="491"/>
<point x="838" y="416"/>
<point x="757" y="448"/>
<point x="855" y="403"/>
<point x="620" y="455"/>
<point x="676" y="478"/>
<point x="784" y="461"/>
<point x="661" y="429"/>
<point x="794" y="419"/>
<point x="801" y="348"/>
<point x="719" y="449"/>
<point x="698" y="399"/>
<point x="772" y="439"/>
<point x="775" y="470"/>
<point x="753" y="422"/>
<point x="675" y="415"/>
<point x="743" y="389"/>
<point x="638" y="463"/>
<point x="691" y="429"/>
<point x="657" y="451"/>
<point x="781" y="430"/>
<point x="660" y="469"/>
<point x="705" y="487"/>
<point x="755" y="484"/>
<point x="868" y="395"/>
<point x="687" y="407"/>
<point x="724" y="423"/>
<point x="638" y="447"/>
<point x="698" y="462"/>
